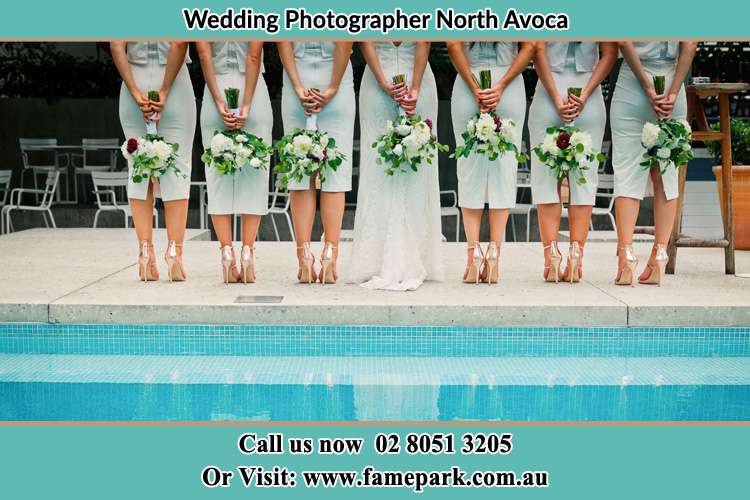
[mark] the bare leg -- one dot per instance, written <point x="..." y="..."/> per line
<point x="303" y="205"/>
<point x="549" y="225"/>
<point x="472" y="224"/>
<point x="664" y="214"/>
<point x="223" y="227"/>
<point x="579" y="217"/>
<point x="250" y="224"/>
<point x="332" y="213"/>
<point x="498" y="221"/>
<point x="143" y="221"/>
<point x="175" y="215"/>
<point x="626" y="213"/>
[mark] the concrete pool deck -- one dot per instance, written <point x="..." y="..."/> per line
<point x="90" y="276"/>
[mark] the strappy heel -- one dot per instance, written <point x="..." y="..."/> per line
<point x="326" y="262"/>
<point x="574" y="270"/>
<point x="657" y="269"/>
<point x="174" y="266"/>
<point x="145" y="273"/>
<point x="555" y="258"/>
<point x="228" y="264"/>
<point x="247" y="262"/>
<point x="628" y="272"/>
<point x="492" y="259"/>
<point x="474" y="271"/>
<point x="305" y="274"/>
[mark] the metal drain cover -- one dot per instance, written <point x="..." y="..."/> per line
<point x="258" y="299"/>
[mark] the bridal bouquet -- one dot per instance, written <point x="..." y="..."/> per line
<point x="487" y="133"/>
<point x="306" y="153"/>
<point x="567" y="150"/>
<point x="666" y="142"/>
<point x="231" y="150"/>
<point x="151" y="157"/>
<point x="407" y="141"/>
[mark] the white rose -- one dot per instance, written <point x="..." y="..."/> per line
<point x="317" y="151"/>
<point x="240" y="138"/>
<point x="549" y="145"/>
<point x="398" y="150"/>
<point x="581" y="138"/>
<point x="650" y="135"/>
<point x="403" y="129"/>
<point x="302" y="145"/>
<point x="162" y="150"/>
<point x="220" y="143"/>
<point x="255" y="163"/>
<point x="664" y="153"/>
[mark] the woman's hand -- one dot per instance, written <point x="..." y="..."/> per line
<point x="565" y="109"/>
<point x="579" y="102"/>
<point x="665" y="104"/>
<point x="409" y="102"/>
<point x="241" y="118"/>
<point x="306" y="99"/>
<point x="322" y="97"/>
<point x="142" y="101"/>
<point x="396" y="91"/>
<point x="229" y="119"/>
<point x="490" y="98"/>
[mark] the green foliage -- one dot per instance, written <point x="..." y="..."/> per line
<point x="295" y="166"/>
<point x="392" y="152"/>
<point x="740" y="130"/>
<point x="674" y="138"/>
<point x="230" y="166"/>
<point x="565" y="162"/>
<point x="472" y="144"/>
<point x="147" y="166"/>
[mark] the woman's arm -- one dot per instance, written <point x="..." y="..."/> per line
<point x="463" y="68"/>
<point x="341" y="54"/>
<point x="252" y="73"/>
<point x="120" y="57"/>
<point x="421" y="56"/>
<point x="490" y="98"/>
<point x="607" y="58"/>
<point x="634" y="61"/>
<point x="175" y="60"/>
<point x="396" y="91"/>
<point x="207" y="65"/>
<point x="565" y="108"/>
<point x="286" y="54"/>
<point x="684" y="61"/>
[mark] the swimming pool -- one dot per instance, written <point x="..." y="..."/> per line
<point x="239" y="372"/>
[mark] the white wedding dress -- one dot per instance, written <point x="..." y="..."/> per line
<point x="397" y="228"/>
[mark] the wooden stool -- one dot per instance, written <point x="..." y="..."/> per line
<point x="701" y="132"/>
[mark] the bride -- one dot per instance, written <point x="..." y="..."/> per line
<point x="397" y="229"/>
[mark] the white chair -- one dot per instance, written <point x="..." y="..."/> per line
<point x="605" y="189"/>
<point x="5" y="176"/>
<point x="16" y="199"/>
<point x="105" y="184"/>
<point x="32" y="154"/>
<point x="451" y="210"/>
<point x="95" y="151"/>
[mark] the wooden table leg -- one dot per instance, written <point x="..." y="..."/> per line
<point x="677" y="226"/>
<point x="726" y="175"/>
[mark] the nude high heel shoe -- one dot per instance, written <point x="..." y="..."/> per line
<point x="657" y="271"/>
<point x="247" y="261"/>
<point x="474" y="272"/>
<point x="492" y="259"/>
<point x="627" y="277"/>
<point x="326" y="262"/>
<point x="145" y="272"/>
<point x="555" y="257"/>
<point x="575" y="272"/>
<point x="228" y="264"/>
<point x="305" y="274"/>
<point x="174" y="266"/>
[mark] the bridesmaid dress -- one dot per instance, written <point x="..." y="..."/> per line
<point x="397" y="227"/>
<point x="245" y="192"/>
<point x="572" y="64"/>
<point x="481" y="181"/>
<point x="148" y="61"/>
<point x="315" y="65"/>
<point x="630" y="110"/>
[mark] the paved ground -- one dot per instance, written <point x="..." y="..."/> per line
<point x="90" y="276"/>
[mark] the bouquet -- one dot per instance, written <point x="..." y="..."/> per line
<point x="153" y="95"/>
<point x="410" y="141"/>
<point x="567" y="150"/>
<point x="306" y="153"/>
<point x="231" y="150"/>
<point x="666" y="142"/>
<point x="233" y="99"/>
<point x="151" y="157"/>
<point x="487" y="134"/>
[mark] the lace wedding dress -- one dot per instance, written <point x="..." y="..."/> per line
<point x="397" y="227"/>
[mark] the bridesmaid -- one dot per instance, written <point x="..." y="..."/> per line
<point x="634" y="103"/>
<point x="561" y="65"/>
<point x="159" y="66"/>
<point x="481" y="181"/>
<point x="318" y="80"/>
<point x="397" y="229"/>
<point x="237" y="65"/>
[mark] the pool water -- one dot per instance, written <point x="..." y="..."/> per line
<point x="200" y="373"/>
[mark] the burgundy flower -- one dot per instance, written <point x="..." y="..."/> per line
<point x="498" y="123"/>
<point x="563" y="140"/>
<point x="429" y="123"/>
<point x="132" y="146"/>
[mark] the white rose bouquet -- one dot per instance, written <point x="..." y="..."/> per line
<point x="407" y="141"/>
<point x="231" y="150"/>
<point x="489" y="135"/>
<point x="307" y="153"/>
<point x="666" y="142"/>
<point x="567" y="150"/>
<point x="151" y="157"/>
